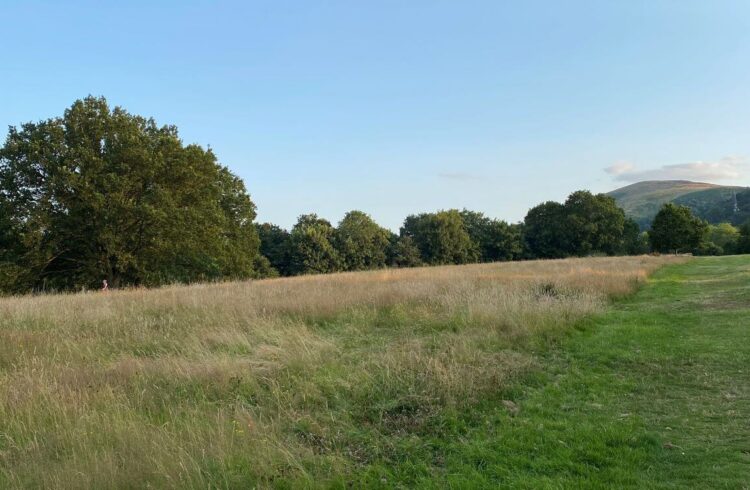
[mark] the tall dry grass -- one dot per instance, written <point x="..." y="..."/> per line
<point x="288" y="381"/>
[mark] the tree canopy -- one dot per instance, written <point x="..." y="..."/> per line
<point x="675" y="229"/>
<point x="594" y="224"/>
<point x="101" y="193"/>
<point x="441" y="237"/>
<point x="311" y="246"/>
<point x="403" y="252"/>
<point x="496" y="240"/>
<point x="361" y="243"/>
<point x="585" y="224"/>
<point x="724" y="236"/>
<point x="743" y="241"/>
<point x="545" y="231"/>
<point x="274" y="245"/>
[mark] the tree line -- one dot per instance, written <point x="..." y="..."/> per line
<point x="585" y="224"/>
<point x="100" y="193"/>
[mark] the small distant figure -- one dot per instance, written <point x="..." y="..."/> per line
<point x="105" y="286"/>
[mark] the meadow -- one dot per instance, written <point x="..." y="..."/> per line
<point x="312" y="381"/>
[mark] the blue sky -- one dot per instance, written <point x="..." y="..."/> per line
<point x="397" y="107"/>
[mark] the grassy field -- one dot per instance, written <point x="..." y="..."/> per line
<point x="515" y="374"/>
<point x="655" y="393"/>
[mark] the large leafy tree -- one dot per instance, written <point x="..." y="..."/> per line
<point x="585" y="224"/>
<point x="546" y="232"/>
<point x="594" y="224"/>
<point x="675" y="229"/>
<point x="361" y="243"/>
<point x="441" y="237"/>
<point x="311" y="249"/>
<point x="102" y="193"/>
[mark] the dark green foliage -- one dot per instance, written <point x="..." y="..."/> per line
<point x="10" y="249"/>
<point x="721" y="239"/>
<point x="708" y="248"/>
<point x="675" y="229"/>
<point x="101" y="193"/>
<point x="594" y="224"/>
<point x="495" y="239"/>
<point x="403" y="252"/>
<point x="274" y="245"/>
<point x="724" y="237"/>
<point x="263" y="268"/>
<point x="743" y="242"/>
<point x="441" y="237"/>
<point x="311" y="246"/>
<point x="361" y="243"/>
<point x="545" y="231"/>
<point x="634" y="241"/>
<point x="586" y="224"/>
<point x="477" y="226"/>
<point x="505" y="242"/>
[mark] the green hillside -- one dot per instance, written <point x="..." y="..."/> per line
<point x="714" y="203"/>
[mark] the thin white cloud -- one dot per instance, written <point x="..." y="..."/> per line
<point x="619" y="168"/>
<point x="728" y="168"/>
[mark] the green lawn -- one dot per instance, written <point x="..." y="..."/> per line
<point x="653" y="394"/>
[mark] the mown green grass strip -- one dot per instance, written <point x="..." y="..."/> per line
<point x="653" y="394"/>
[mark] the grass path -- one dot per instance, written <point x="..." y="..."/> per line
<point x="653" y="394"/>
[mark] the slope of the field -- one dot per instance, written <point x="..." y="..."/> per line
<point x="711" y="202"/>
<point x="653" y="394"/>
<point x="311" y="381"/>
<point x="517" y="375"/>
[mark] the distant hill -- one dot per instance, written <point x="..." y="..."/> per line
<point x="714" y="203"/>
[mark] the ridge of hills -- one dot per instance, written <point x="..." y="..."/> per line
<point x="711" y="202"/>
